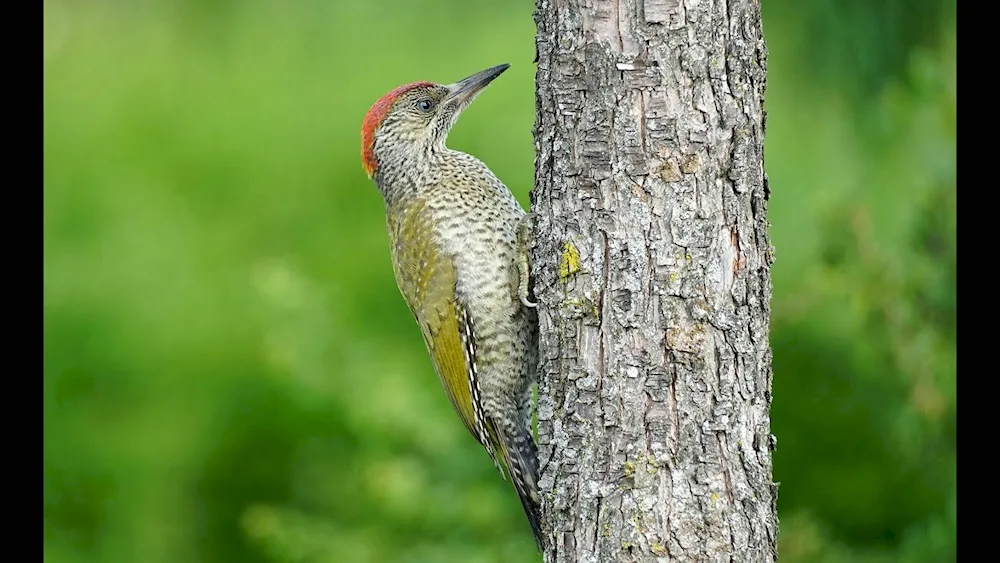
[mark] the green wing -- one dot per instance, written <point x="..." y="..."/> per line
<point x="426" y="279"/>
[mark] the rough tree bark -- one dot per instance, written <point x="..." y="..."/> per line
<point x="652" y="267"/>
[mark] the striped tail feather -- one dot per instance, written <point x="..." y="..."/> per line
<point x="520" y="455"/>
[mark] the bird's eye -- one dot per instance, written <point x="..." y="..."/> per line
<point x="425" y="104"/>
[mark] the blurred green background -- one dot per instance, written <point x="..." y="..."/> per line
<point x="231" y="375"/>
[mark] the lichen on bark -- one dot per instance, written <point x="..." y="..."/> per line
<point x="651" y="263"/>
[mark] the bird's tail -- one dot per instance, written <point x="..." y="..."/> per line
<point x="520" y="455"/>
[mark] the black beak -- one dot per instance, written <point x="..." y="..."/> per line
<point x="466" y="89"/>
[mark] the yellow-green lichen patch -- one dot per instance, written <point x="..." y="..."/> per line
<point x="639" y="522"/>
<point x="690" y="164"/>
<point x="580" y="307"/>
<point x="670" y="172"/>
<point x="629" y="469"/>
<point x="651" y="465"/>
<point x="569" y="264"/>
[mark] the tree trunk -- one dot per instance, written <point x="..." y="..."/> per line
<point x="651" y="263"/>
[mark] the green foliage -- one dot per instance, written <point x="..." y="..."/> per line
<point x="230" y="374"/>
<point x="864" y="325"/>
<point x="858" y="47"/>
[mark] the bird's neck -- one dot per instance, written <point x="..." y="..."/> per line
<point x="403" y="174"/>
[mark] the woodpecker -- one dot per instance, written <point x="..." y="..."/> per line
<point x="458" y="242"/>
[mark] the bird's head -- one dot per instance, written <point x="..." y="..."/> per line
<point x="417" y="116"/>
